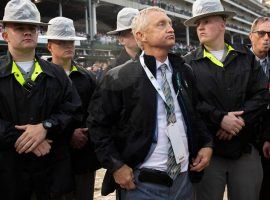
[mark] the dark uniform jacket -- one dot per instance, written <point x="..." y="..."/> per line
<point x="84" y="159"/>
<point x="53" y="98"/>
<point x="123" y="115"/>
<point x="121" y="59"/>
<point x="239" y="85"/>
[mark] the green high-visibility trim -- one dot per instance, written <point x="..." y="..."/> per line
<point x="213" y="58"/>
<point x="73" y="69"/>
<point x="18" y="75"/>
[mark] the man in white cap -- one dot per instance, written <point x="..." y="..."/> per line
<point x="125" y="36"/>
<point x="61" y="37"/>
<point x="36" y="106"/>
<point x="260" y="39"/>
<point x="233" y="94"/>
<point x="142" y="120"/>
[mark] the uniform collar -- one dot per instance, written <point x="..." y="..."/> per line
<point x="210" y="56"/>
<point x="19" y="76"/>
<point x="7" y="62"/>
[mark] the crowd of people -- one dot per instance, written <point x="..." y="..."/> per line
<point x="182" y="48"/>
<point x="167" y="6"/>
<point x="164" y="126"/>
<point x="99" y="67"/>
<point x="105" y="39"/>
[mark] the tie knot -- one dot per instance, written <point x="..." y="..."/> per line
<point x="264" y="62"/>
<point x="163" y="68"/>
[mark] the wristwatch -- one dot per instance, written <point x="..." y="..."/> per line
<point x="47" y="125"/>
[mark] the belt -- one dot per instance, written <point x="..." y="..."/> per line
<point x="155" y="176"/>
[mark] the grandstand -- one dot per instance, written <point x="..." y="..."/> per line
<point x="93" y="18"/>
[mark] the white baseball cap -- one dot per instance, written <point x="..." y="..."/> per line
<point x="22" y="12"/>
<point x="205" y="8"/>
<point x="124" y="20"/>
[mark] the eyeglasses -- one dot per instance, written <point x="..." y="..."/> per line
<point x="262" y="33"/>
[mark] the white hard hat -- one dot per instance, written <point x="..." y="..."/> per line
<point x="205" y="8"/>
<point x="22" y="12"/>
<point x="62" y="28"/>
<point x="124" y="20"/>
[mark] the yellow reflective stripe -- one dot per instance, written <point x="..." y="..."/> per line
<point x="17" y="73"/>
<point x="213" y="58"/>
<point x="229" y="47"/>
<point x="73" y="69"/>
<point x="36" y="72"/>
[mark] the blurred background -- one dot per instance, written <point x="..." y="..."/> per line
<point x="93" y="18"/>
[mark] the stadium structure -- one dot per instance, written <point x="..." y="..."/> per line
<point x="93" y="18"/>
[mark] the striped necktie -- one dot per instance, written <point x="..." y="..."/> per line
<point x="265" y="67"/>
<point x="173" y="168"/>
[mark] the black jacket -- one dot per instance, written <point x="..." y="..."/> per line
<point x="239" y="85"/>
<point x="122" y="115"/>
<point x="52" y="98"/>
<point x="263" y="125"/>
<point x="84" y="159"/>
<point x="121" y="59"/>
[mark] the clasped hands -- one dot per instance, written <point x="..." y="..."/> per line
<point x="231" y="125"/>
<point x="33" y="139"/>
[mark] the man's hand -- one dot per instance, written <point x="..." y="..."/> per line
<point x="202" y="160"/>
<point x="32" y="136"/>
<point x="233" y="122"/>
<point x="124" y="177"/>
<point x="43" y="148"/>
<point x="224" y="135"/>
<point x="79" y="138"/>
<point x="266" y="149"/>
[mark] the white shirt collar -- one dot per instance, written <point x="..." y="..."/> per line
<point x="167" y="62"/>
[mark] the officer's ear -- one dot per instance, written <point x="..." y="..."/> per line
<point x="49" y="46"/>
<point x="121" y="40"/>
<point x="5" y="36"/>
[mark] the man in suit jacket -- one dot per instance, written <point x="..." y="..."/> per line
<point x="260" y="40"/>
<point x="145" y="129"/>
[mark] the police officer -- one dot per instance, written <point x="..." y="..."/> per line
<point x="37" y="105"/>
<point x="61" y="37"/>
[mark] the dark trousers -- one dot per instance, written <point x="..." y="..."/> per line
<point x="25" y="179"/>
<point x="265" y="189"/>
<point x="84" y="185"/>
<point x="243" y="177"/>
